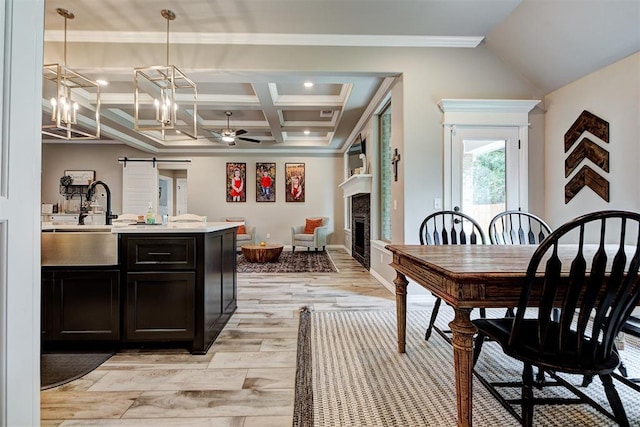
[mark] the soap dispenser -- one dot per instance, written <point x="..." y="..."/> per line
<point x="151" y="219"/>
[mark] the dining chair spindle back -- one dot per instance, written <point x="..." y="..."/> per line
<point x="449" y="228"/>
<point x="517" y="228"/>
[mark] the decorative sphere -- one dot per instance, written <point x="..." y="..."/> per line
<point x="263" y="244"/>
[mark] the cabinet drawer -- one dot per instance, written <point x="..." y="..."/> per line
<point x="161" y="253"/>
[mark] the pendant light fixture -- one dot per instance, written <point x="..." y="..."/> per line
<point x="165" y="99"/>
<point x="71" y="99"/>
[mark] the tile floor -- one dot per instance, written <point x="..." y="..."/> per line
<point x="247" y="377"/>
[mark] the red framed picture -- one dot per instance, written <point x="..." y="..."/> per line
<point x="236" y="182"/>
<point x="295" y="182"/>
<point x="265" y="182"/>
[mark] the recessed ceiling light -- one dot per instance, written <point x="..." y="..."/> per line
<point x="308" y="84"/>
<point x="307" y="132"/>
<point x="102" y="82"/>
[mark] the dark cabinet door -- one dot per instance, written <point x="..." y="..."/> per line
<point x="81" y="305"/>
<point x="160" y="306"/>
<point x="228" y="273"/>
<point x="46" y="302"/>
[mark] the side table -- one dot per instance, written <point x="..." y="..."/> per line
<point x="257" y="253"/>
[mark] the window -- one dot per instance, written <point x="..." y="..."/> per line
<point x="384" y="123"/>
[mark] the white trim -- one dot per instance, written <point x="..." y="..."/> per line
<point x="380" y="245"/>
<point x="264" y="39"/>
<point x="486" y="113"/>
<point x="390" y="286"/>
<point x="488" y="105"/>
<point x="20" y="126"/>
<point x="356" y="184"/>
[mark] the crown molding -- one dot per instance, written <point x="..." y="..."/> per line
<point x="346" y="40"/>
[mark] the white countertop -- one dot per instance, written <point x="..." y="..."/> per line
<point x="172" y="227"/>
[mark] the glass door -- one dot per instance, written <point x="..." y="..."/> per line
<point x="485" y="178"/>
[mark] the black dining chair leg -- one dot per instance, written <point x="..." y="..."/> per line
<point x="540" y="378"/>
<point x="527" y="395"/>
<point x="614" y="400"/>
<point x="623" y="369"/>
<point x="434" y="314"/>
<point x="477" y="348"/>
<point x="510" y="312"/>
<point x="586" y="380"/>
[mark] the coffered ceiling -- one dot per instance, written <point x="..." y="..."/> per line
<point x="109" y="38"/>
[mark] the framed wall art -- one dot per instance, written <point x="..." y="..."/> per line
<point x="81" y="177"/>
<point x="265" y="182"/>
<point x="236" y="182"/>
<point x="295" y="182"/>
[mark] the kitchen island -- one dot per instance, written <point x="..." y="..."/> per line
<point x="172" y="284"/>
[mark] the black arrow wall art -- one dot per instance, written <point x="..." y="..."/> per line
<point x="586" y="149"/>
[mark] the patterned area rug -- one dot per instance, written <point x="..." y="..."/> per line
<point x="60" y="368"/>
<point x="288" y="262"/>
<point x="354" y="376"/>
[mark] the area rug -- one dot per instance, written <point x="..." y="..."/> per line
<point x="352" y="374"/>
<point x="60" y="368"/>
<point x="291" y="262"/>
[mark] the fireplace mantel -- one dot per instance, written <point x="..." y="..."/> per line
<point x="357" y="184"/>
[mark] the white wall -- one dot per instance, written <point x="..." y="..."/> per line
<point x="613" y="94"/>
<point x="207" y="195"/>
<point x="207" y="186"/>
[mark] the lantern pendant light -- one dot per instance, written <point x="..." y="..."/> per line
<point x="165" y="99"/>
<point x="74" y="98"/>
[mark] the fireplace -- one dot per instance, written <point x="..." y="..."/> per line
<point x="360" y="229"/>
<point x="358" y="240"/>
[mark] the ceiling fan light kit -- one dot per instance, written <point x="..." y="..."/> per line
<point x="165" y="99"/>
<point x="229" y="135"/>
<point x="69" y="92"/>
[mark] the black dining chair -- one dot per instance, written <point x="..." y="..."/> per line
<point x="517" y="228"/>
<point x="595" y="287"/>
<point x="448" y="228"/>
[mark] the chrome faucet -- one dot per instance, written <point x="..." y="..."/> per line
<point x="108" y="215"/>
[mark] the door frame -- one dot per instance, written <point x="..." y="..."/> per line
<point x="21" y="45"/>
<point x="486" y="113"/>
<point x="169" y="186"/>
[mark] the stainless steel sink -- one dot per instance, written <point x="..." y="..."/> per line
<point x="79" y="247"/>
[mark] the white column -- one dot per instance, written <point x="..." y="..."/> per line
<point x="21" y="47"/>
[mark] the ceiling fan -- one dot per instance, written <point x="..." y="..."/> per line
<point x="229" y="135"/>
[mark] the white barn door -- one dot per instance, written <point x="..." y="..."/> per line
<point x="21" y="47"/>
<point x="139" y="187"/>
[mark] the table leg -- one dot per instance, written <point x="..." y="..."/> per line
<point x="463" y="331"/>
<point x="401" y="308"/>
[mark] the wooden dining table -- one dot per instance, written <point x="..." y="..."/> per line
<point x="465" y="277"/>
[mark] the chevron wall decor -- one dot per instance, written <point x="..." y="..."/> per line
<point x="583" y="150"/>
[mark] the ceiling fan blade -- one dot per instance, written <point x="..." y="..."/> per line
<point x="240" y="132"/>
<point x="250" y="140"/>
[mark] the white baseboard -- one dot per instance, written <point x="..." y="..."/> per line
<point x="390" y="286"/>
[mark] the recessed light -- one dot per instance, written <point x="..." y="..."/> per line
<point x="102" y="82"/>
<point x="307" y="132"/>
<point x="308" y="84"/>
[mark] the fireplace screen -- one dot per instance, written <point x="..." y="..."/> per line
<point x="359" y="242"/>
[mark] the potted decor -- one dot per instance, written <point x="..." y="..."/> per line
<point x="66" y="180"/>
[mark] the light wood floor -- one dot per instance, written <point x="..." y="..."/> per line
<point x="247" y="377"/>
